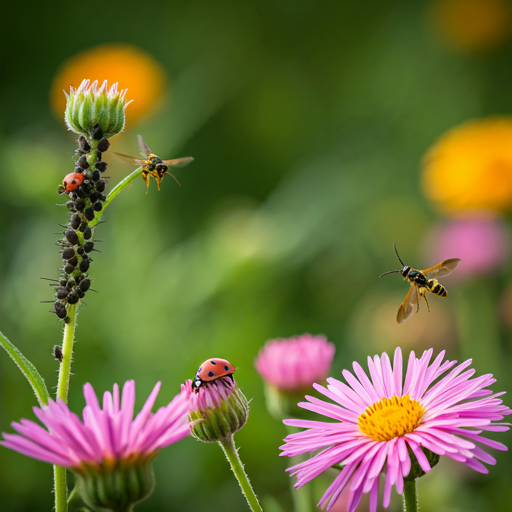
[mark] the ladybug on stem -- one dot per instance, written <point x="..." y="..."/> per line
<point x="211" y="370"/>
<point x="72" y="181"/>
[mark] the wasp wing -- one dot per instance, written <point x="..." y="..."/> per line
<point x="179" y="162"/>
<point x="145" y="150"/>
<point x="441" y="269"/>
<point x="130" y="159"/>
<point x="409" y="306"/>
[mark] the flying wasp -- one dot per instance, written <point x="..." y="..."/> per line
<point x="153" y="165"/>
<point x="421" y="282"/>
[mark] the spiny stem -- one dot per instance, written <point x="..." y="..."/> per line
<point x="59" y="473"/>
<point x="67" y="353"/>
<point x="228" y="445"/>
<point x="410" y="496"/>
<point x="61" y="491"/>
<point x="113" y="193"/>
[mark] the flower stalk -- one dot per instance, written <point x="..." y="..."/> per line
<point x="410" y="496"/>
<point x="228" y="446"/>
<point x="59" y="473"/>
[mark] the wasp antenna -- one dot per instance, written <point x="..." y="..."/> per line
<point x="174" y="178"/>
<point x="399" y="259"/>
<point x="391" y="272"/>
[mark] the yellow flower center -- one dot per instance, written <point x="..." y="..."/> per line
<point x="390" y="418"/>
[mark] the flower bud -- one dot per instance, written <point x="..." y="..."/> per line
<point x="218" y="409"/>
<point x="91" y="110"/>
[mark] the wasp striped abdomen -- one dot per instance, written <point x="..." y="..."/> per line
<point x="436" y="288"/>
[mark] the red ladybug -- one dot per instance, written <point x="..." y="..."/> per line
<point x="72" y="181"/>
<point x="210" y="370"/>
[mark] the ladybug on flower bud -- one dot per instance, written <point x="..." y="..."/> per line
<point x="72" y="181"/>
<point x="211" y="370"/>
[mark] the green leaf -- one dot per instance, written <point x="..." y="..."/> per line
<point x="28" y="369"/>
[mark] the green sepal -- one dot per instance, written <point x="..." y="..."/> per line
<point x="215" y="423"/>
<point x="116" y="485"/>
<point x="416" y="471"/>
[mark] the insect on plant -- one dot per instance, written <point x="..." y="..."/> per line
<point x="153" y="165"/>
<point x="421" y="282"/>
<point x="210" y="370"/>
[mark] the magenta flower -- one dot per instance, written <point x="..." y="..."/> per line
<point x="292" y="364"/>
<point x="481" y="241"/>
<point x="107" y="441"/>
<point x="378" y="420"/>
<point x="103" y="435"/>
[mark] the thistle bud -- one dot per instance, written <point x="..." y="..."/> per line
<point x="218" y="409"/>
<point x="90" y="110"/>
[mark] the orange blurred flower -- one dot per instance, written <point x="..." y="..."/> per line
<point x="127" y="65"/>
<point x="472" y="24"/>
<point x="470" y="167"/>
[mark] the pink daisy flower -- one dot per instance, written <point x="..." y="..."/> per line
<point x="292" y="364"/>
<point x="106" y="442"/>
<point x="103" y="435"/>
<point x="377" y="421"/>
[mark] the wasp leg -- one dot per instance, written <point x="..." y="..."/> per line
<point x="424" y="295"/>
<point x="145" y="177"/>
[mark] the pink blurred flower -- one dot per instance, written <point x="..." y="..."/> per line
<point x="292" y="364"/>
<point x="373" y="434"/>
<point x="104" y="435"/>
<point x="482" y="243"/>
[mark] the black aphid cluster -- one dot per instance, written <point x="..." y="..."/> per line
<point x="85" y="200"/>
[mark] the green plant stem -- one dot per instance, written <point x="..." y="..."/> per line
<point x="59" y="473"/>
<point x="67" y="353"/>
<point x="411" y="496"/>
<point x="113" y="193"/>
<point x="61" y="490"/>
<point x="302" y="498"/>
<point x="228" y="445"/>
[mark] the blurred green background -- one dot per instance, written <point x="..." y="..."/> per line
<point x="307" y="121"/>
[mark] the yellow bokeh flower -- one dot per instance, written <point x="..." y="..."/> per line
<point x="470" y="167"/>
<point x="129" y="66"/>
<point x="472" y="25"/>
